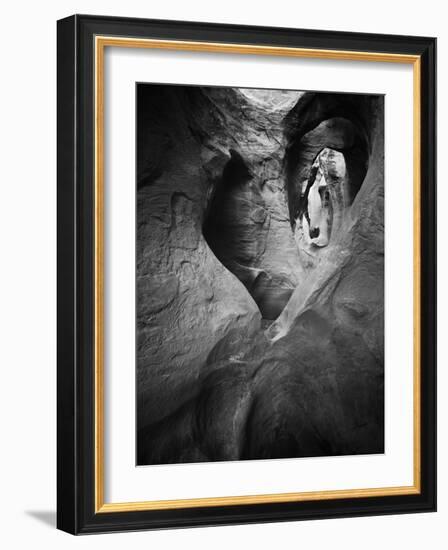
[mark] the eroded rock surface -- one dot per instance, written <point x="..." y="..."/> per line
<point x="259" y="274"/>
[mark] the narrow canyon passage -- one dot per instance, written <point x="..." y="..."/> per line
<point x="259" y="274"/>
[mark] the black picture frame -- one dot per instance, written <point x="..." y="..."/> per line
<point x="76" y="511"/>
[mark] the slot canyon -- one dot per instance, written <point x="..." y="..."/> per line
<point x="259" y="274"/>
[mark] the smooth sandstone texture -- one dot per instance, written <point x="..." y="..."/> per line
<point x="260" y="265"/>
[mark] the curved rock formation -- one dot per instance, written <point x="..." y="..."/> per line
<point x="259" y="274"/>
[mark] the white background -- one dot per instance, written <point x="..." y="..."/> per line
<point x="27" y="290"/>
<point x="124" y="482"/>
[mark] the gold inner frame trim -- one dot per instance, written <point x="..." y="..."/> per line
<point x="101" y="42"/>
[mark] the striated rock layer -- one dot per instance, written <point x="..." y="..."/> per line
<point x="260" y="259"/>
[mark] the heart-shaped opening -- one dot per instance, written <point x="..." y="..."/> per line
<point x="274" y="213"/>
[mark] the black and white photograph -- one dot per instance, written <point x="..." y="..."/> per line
<point x="221" y="311"/>
<point x="259" y="274"/>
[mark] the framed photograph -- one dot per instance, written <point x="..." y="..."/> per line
<point x="246" y="274"/>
